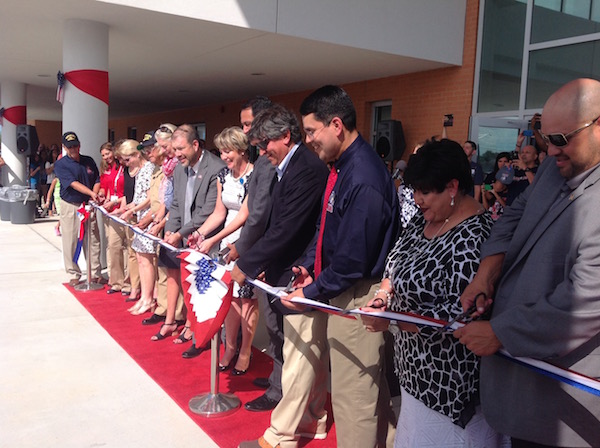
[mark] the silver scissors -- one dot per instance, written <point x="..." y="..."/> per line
<point x="462" y="316"/>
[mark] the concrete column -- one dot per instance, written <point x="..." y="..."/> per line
<point x="85" y="47"/>
<point x="15" y="172"/>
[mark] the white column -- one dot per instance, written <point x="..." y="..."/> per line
<point x="85" y="47"/>
<point x="15" y="171"/>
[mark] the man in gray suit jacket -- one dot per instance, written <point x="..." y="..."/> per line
<point x="542" y="259"/>
<point x="259" y="206"/>
<point x="195" y="195"/>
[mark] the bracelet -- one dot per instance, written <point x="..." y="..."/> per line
<point x="388" y="296"/>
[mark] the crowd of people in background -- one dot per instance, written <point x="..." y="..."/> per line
<point x="309" y="207"/>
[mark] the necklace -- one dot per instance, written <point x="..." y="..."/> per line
<point x="239" y="178"/>
<point x="438" y="230"/>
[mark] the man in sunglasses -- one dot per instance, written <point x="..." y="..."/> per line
<point x="540" y="265"/>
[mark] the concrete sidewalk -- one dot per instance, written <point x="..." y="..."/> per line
<point x="64" y="382"/>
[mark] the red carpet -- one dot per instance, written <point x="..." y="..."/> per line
<point x="182" y="378"/>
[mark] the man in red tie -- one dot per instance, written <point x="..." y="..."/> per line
<point x="358" y="226"/>
<point x="296" y="204"/>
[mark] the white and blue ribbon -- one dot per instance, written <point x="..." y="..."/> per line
<point x="582" y="382"/>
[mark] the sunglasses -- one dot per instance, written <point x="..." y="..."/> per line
<point x="165" y="129"/>
<point x="559" y="139"/>
<point x="263" y="144"/>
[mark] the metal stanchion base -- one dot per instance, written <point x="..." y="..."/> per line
<point x="214" y="405"/>
<point x="88" y="286"/>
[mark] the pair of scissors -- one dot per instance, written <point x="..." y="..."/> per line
<point x="288" y="288"/>
<point x="462" y="316"/>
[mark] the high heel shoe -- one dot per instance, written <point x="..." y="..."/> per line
<point x="144" y="307"/>
<point x="159" y="336"/>
<point x="135" y="306"/>
<point x="238" y="372"/>
<point x="223" y="368"/>
<point x="133" y="297"/>
<point x="181" y="339"/>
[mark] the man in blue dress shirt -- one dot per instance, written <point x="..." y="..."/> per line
<point x="79" y="182"/>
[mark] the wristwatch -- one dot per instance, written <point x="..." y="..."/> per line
<point x="393" y="328"/>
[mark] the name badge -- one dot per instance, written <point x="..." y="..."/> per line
<point x="114" y="198"/>
<point x="331" y="202"/>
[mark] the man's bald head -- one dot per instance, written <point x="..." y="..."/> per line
<point x="574" y="107"/>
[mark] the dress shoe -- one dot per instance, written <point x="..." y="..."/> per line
<point x="194" y="351"/>
<point x="112" y="291"/>
<point x="74" y="282"/>
<point x="260" y="404"/>
<point x="154" y="319"/>
<point x="260" y="443"/>
<point x="262" y="383"/>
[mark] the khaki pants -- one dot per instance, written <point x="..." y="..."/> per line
<point x="303" y="380"/>
<point x="69" y="226"/>
<point x="116" y="236"/>
<point x="359" y="391"/>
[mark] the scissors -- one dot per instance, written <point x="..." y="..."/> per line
<point x="288" y="288"/>
<point x="462" y="316"/>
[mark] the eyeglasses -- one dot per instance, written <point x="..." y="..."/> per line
<point x="165" y="129"/>
<point x="559" y="139"/>
<point x="263" y="144"/>
<point x="313" y="134"/>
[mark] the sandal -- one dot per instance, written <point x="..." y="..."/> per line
<point x="159" y="336"/>
<point x="181" y="339"/>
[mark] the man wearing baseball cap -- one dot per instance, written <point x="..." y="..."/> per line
<point x="79" y="182"/>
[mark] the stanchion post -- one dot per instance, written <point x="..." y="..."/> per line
<point x="214" y="404"/>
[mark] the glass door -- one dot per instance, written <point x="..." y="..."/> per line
<point x="494" y="135"/>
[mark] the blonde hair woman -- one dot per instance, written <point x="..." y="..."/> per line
<point x="144" y="247"/>
<point x="232" y="210"/>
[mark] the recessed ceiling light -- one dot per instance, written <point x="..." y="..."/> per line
<point x="43" y="76"/>
<point x="258" y="74"/>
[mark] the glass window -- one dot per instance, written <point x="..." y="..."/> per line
<point x="502" y="55"/>
<point x="493" y="140"/>
<point x="551" y="68"/>
<point x="555" y="19"/>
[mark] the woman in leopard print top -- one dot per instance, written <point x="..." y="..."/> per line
<point x="432" y="262"/>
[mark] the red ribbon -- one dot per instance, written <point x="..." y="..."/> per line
<point x="92" y="82"/>
<point x="16" y="115"/>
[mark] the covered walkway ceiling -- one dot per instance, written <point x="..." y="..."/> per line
<point x="166" y="62"/>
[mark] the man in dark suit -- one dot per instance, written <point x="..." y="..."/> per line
<point x="194" y="198"/>
<point x="259" y="206"/>
<point x="296" y="199"/>
<point x="542" y="261"/>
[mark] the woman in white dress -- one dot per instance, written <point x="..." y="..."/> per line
<point x="231" y="210"/>
<point x="144" y="247"/>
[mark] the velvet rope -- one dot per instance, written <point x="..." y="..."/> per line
<point x="92" y="82"/>
<point x="16" y="115"/>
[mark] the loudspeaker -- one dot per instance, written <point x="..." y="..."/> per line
<point x="27" y="139"/>
<point x="389" y="140"/>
